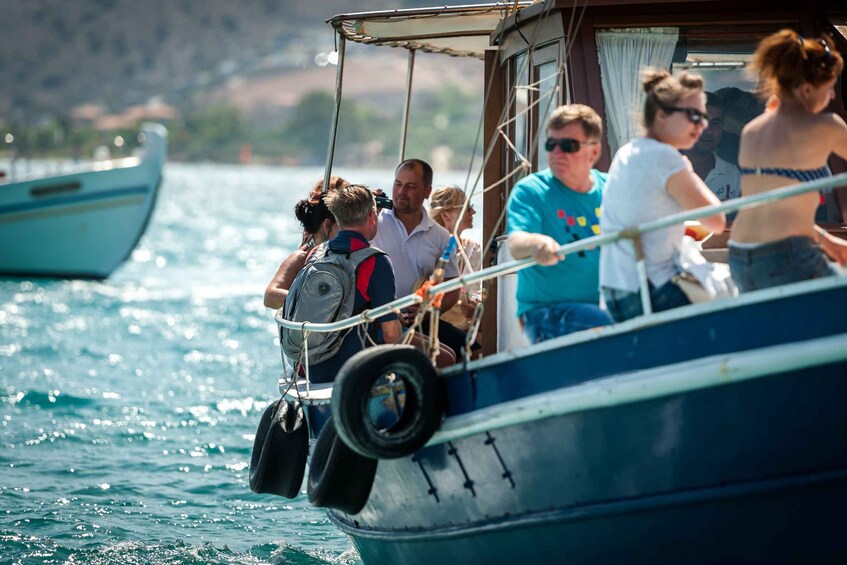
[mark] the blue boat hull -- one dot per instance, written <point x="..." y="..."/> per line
<point x="81" y="224"/>
<point x="750" y="472"/>
<point x="739" y="471"/>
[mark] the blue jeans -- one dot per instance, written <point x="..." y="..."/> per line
<point x="779" y="262"/>
<point x="623" y="305"/>
<point x="547" y="322"/>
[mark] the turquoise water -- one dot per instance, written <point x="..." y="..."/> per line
<point x="128" y="407"/>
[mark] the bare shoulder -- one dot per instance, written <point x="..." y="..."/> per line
<point x="833" y="122"/>
<point x="757" y="124"/>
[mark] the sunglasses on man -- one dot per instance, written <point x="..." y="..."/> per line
<point x="694" y="115"/>
<point x="566" y="145"/>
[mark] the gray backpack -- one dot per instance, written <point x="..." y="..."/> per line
<point x="323" y="291"/>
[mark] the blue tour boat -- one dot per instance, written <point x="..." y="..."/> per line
<point x="710" y="433"/>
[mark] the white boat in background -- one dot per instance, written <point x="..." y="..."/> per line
<point x="85" y="223"/>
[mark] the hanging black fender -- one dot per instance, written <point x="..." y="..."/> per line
<point x="339" y="477"/>
<point x="280" y="450"/>
<point x="419" y="416"/>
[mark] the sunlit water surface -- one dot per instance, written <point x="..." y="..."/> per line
<point x="128" y="407"/>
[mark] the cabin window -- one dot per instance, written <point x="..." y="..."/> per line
<point x="720" y="55"/>
<point x="622" y="54"/>
<point x="518" y="97"/>
<point x="532" y="95"/>
<point x="548" y="100"/>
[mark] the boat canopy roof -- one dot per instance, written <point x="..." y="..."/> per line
<point x="459" y="31"/>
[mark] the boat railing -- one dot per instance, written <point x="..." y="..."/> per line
<point x="569" y="248"/>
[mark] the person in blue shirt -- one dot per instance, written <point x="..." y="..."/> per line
<point x="559" y="205"/>
<point x="355" y="211"/>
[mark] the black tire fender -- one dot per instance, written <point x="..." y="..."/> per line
<point x="280" y="450"/>
<point x="339" y="477"/>
<point x="421" y="415"/>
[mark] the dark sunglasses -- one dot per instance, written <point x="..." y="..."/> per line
<point x="694" y="115"/>
<point x="566" y="145"/>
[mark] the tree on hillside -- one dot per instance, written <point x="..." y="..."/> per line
<point x="306" y="134"/>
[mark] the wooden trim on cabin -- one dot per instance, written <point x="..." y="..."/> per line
<point x="545" y="27"/>
<point x="493" y="201"/>
<point x="584" y="69"/>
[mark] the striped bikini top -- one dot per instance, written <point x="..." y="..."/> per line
<point x="801" y="175"/>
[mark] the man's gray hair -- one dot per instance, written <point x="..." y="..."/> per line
<point x="350" y="204"/>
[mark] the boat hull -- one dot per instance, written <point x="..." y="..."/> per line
<point x="80" y="225"/>
<point x="736" y="470"/>
<point x="666" y="480"/>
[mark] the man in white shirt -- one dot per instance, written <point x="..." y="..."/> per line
<point x="721" y="176"/>
<point x="414" y="242"/>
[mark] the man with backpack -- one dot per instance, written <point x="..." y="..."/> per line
<point x="342" y="277"/>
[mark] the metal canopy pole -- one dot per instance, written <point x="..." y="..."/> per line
<point x="330" y="152"/>
<point x="407" y="105"/>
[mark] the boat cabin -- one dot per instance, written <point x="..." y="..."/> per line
<point x="539" y="55"/>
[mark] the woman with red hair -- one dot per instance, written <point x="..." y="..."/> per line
<point x="779" y="243"/>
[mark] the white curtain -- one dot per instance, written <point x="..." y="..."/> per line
<point x="623" y="53"/>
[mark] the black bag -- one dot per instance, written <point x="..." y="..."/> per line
<point x="280" y="450"/>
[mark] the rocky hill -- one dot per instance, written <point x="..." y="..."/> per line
<point x="117" y="53"/>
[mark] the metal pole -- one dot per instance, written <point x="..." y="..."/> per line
<point x="330" y="152"/>
<point x="407" y="105"/>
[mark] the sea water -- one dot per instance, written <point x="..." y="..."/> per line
<point x="128" y="406"/>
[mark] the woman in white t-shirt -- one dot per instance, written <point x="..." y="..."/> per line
<point x="650" y="179"/>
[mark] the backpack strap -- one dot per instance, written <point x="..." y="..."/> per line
<point x="363" y="277"/>
<point x="317" y="252"/>
<point x="356" y="257"/>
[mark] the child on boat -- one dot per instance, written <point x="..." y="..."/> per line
<point x="779" y="243"/>
<point x="650" y="179"/>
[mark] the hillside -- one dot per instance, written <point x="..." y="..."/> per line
<point x="117" y="53"/>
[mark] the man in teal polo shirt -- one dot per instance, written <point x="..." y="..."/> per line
<point x="559" y="205"/>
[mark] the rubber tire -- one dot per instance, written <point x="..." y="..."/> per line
<point x="339" y="477"/>
<point x="280" y="451"/>
<point x="421" y="413"/>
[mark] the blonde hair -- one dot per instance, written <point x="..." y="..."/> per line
<point x="445" y="198"/>
<point x="592" y="124"/>
<point x="664" y="89"/>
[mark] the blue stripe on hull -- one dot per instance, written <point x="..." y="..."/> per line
<point x="75" y="199"/>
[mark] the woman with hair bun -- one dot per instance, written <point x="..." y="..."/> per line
<point x="318" y="226"/>
<point x="779" y="243"/>
<point x="649" y="179"/>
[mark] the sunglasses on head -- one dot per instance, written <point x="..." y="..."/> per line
<point x="827" y="59"/>
<point x="694" y="115"/>
<point x="566" y="145"/>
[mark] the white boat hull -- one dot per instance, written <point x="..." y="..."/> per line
<point x="81" y="225"/>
